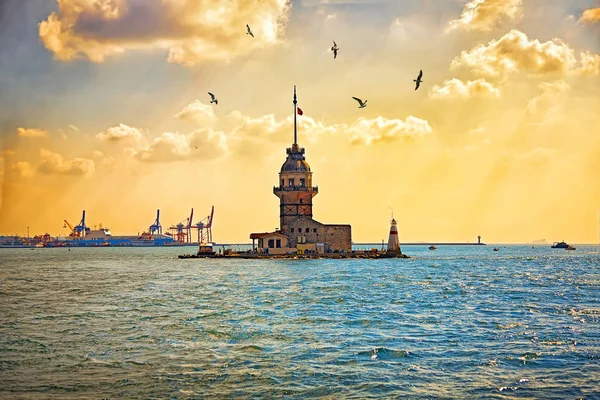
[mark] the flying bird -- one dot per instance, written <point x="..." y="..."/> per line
<point x="363" y="104"/>
<point x="213" y="99"/>
<point x="335" y="49"/>
<point x="418" y="80"/>
<point x="248" y="31"/>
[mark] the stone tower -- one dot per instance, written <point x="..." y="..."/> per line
<point x="295" y="190"/>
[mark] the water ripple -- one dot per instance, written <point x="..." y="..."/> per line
<point x="456" y="323"/>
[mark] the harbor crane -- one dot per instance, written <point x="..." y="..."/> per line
<point x="156" y="227"/>
<point x="204" y="227"/>
<point x="182" y="229"/>
<point x="80" y="230"/>
<point x="67" y="224"/>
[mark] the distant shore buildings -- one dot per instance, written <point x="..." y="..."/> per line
<point x="298" y="230"/>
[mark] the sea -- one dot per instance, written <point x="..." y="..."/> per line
<point x="460" y="322"/>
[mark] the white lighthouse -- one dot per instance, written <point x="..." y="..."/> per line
<point x="393" y="241"/>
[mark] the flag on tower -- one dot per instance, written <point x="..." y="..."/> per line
<point x="300" y="112"/>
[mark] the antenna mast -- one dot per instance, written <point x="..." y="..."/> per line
<point x="295" y="112"/>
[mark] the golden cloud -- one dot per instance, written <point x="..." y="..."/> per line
<point x="548" y="90"/>
<point x="56" y="164"/>
<point x="32" y="132"/>
<point x="197" y="112"/>
<point x="122" y="132"/>
<point x="24" y="169"/>
<point x="368" y="131"/>
<point x="193" y="31"/>
<point x="514" y="52"/>
<point x="457" y="89"/>
<point x="203" y="144"/>
<point x="484" y="15"/>
<point x="590" y="16"/>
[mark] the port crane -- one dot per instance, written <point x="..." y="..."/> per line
<point x="79" y="230"/>
<point x="182" y="229"/>
<point x="67" y="224"/>
<point x="204" y="227"/>
<point x="156" y="227"/>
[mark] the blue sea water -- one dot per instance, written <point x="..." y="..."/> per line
<point x="458" y="322"/>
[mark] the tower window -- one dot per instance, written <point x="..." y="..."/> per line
<point x="292" y="182"/>
<point x="302" y="181"/>
<point x="301" y="201"/>
<point x="307" y="230"/>
<point x="292" y="230"/>
<point x="314" y="230"/>
<point x="283" y="182"/>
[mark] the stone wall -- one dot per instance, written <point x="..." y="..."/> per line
<point x="339" y="237"/>
<point x="307" y="230"/>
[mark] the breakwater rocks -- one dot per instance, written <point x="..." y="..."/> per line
<point x="362" y="255"/>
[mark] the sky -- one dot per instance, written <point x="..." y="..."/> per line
<point x="104" y="108"/>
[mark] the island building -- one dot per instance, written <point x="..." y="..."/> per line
<point x="298" y="231"/>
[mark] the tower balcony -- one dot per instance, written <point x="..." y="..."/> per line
<point x="309" y="189"/>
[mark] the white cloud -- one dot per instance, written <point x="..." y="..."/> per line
<point x="485" y="15"/>
<point x="32" y="132"/>
<point x="514" y="52"/>
<point x="193" y="31"/>
<point x="122" y="132"/>
<point x="457" y="89"/>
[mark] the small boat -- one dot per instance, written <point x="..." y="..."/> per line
<point x="570" y="248"/>
<point x="496" y="249"/>
<point x="559" y="245"/>
<point x="432" y="247"/>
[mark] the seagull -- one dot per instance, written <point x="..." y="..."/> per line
<point x="363" y="104"/>
<point x="196" y="146"/>
<point x="335" y="49"/>
<point x="418" y="80"/>
<point x="213" y="99"/>
<point x="248" y="31"/>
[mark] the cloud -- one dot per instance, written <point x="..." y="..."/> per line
<point x="32" y="133"/>
<point x="514" y="52"/>
<point x="197" y="112"/>
<point x="368" y="131"/>
<point x="457" y="89"/>
<point x="549" y="91"/>
<point x="75" y="128"/>
<point x="122" y="132"/>
<point x="485" y="15"/>
<point x="203" y="144"/>
<point x="590" y="16"/>
<point x="56" y="164"/>
<point x="192" y="31"/>
<point x="24" y="169"/>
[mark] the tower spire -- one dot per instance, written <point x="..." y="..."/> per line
<point x="295" y="112"/>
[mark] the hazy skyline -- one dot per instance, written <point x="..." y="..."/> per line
<point x="102" y="104"/>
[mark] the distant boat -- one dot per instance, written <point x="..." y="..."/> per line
<point x="559" y="245"/>
<point x="570" y="248"/>
<point x="496" y="249"/>
<point x="432" y="247"/>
